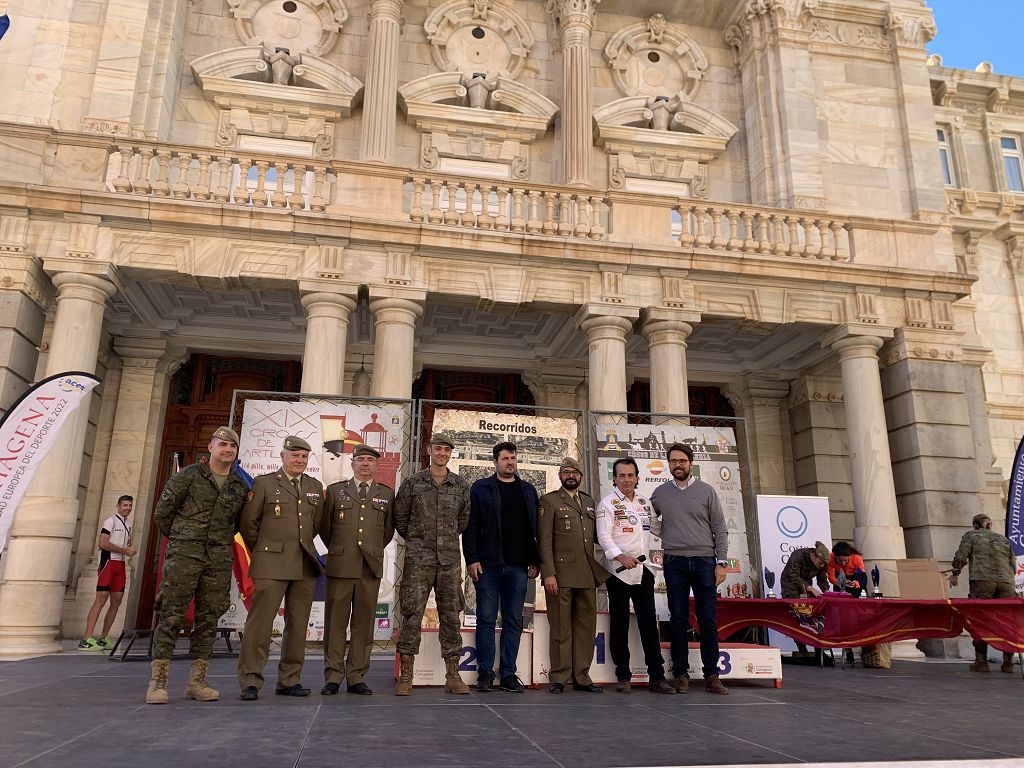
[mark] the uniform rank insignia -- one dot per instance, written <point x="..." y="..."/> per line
<point x="249" y="496"/>
<point x="277" y="510"/>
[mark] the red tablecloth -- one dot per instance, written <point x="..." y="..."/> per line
<point x="839" y="621"/>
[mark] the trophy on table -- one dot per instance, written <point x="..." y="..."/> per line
<point x="876" y="576"/>
<point x="769" y="579"/>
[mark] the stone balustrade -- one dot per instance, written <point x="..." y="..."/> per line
<point x="507" y="207"/>
<point x="750" y="229"/>
<point x="188" y="173"/>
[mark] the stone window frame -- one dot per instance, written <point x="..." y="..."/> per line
<point x="1008" y="155"/>
<point x="947" y="160"/>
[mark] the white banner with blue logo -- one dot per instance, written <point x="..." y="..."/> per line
<point x="785" y="523"/>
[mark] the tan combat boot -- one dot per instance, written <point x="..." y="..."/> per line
<point x="157" y="693"/>
<point x="198" y="688"/>
<point x="452" y="679"/>
<point x="980" y="662"/>
<point x="1007" y="665"/>
<point x="404" y="685"/>
<point x="714" y="685"/>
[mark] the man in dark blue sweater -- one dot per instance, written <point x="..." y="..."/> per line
<point x="500" y="546"/>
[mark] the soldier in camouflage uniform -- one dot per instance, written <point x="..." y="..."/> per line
<point x="198" y="513"/>
<point x="431" y="512"/>
<point x="993" y="566"/>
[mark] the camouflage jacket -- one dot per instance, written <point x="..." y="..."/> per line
<point x="196" y="516"/>
<point x="432" y="517"/>
<point x="799" y="572"/>
<point x="990" y="556"/>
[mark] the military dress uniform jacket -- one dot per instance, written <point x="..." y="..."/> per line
<point x="432" y="517"/>
<point x="278" y="526"/>
<point x="355" y="530"/>
<point x="199" y="518"/>
<point x="565" y="534"/>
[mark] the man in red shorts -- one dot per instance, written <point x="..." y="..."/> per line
<point x="115" y="549"/>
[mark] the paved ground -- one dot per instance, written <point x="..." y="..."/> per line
<point x="76" y="709"/>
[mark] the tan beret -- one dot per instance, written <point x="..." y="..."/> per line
<point x="570" y="462"/>
<point x="293" y="443"/>
<point x="225" y="433"/>
<point x="440" y="438"/>
<point x="364" y="450"/>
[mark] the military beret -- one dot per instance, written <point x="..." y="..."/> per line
<point x="225" y="433"/>
<point x="570" y="462"/>
<point x="440" y="438"/>
<point x="293" y="443"/>
<point x="980" y="520"/>
<point x="364" y="450"/>
<point x="821" y="551"/>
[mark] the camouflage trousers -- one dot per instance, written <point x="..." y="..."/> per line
<point x="989" y="590"/>
<point x="417" y="581"/>
<point x="185" y="578"/>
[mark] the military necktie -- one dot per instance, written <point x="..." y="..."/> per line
<point x="362" y="491"/>
<point x="295" y="485"/>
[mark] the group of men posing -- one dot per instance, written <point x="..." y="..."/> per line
<point x="508" y="533"/>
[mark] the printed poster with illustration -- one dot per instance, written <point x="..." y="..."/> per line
<point x="715" y="461"/>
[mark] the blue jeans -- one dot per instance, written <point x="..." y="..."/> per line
<point x="683" y="574"/>
<point x="507" y="585"/>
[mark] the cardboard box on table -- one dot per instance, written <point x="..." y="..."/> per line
<point x="920" y="579"/>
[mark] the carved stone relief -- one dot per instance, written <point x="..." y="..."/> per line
<point x="300" y="26"/>
<point x="478" y="36"/>
<point x="655" y="58"/>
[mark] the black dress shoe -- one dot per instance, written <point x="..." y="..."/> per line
<point x="557" y="688"/>
<point x="250" y="693"/>
<point x="330" y="689"/>
<point x="361" y="688"/>
<point x="587" y="688"/>
<point x="293" y="690"/>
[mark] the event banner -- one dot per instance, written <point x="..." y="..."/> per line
<point x="29" y="429"/>
<point x="715" y="461"/>
<point x="786" y="523"/>
<point x="1014" y="504"/>
<point x="541" y="443"/>
<point x="333" y="428"/>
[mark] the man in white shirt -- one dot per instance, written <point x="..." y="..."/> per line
<point x="625" y="521"/>
<point x="115" y="547"/>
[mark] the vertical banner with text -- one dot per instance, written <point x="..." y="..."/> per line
<point x="333" y="428"/>
<point x="29" y="429"/>
<point x="1014" y="505"/>
<point x="715" y="461"/>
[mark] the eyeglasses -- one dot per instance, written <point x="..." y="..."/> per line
<point x="571" y="472"/>
<point x="678" y="461"/>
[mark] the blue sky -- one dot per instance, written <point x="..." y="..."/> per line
<point x="972" y="31"/>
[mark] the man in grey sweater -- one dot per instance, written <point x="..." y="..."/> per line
<point x="695" y="539"/>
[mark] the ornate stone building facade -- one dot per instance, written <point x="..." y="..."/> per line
<point x="783" y="199"/>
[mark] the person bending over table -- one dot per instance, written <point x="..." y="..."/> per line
<point x="805" y="566"/>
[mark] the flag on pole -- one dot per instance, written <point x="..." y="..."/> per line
<point x="243" y="559"/>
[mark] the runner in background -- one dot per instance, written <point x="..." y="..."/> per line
<point x="115" y="549"/>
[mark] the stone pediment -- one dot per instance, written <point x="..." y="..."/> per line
<point x="244" y="77"/>
<point x="471" y="117"/>
<point x="666" y="140"/>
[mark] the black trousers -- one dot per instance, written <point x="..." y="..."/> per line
<point x="642" y="595"/>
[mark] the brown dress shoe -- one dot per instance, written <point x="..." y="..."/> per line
<point x="682" y="684"/>
<point x="714" y="685"/>
<point x="662" y="686"/>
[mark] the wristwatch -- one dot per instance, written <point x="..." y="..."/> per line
<point x="722" y="563"/>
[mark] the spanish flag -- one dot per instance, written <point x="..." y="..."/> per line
<point x="242" y="559"/>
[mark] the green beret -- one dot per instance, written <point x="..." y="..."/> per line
<point x="821" y="551"/>
<point x="225" y="433"/>
<point x="570" y="462"/>
<point x="440" y="438"/>
<point x="980" y="520"/>
<point x="293" y="443"/>
<point x="364" y="450"/>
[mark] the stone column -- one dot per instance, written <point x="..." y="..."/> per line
<point x="877" y="530"/>
<point x="576" y="21"/>
<point x="974" y="389"/>
<point x="36" y="562"/>
<point x="323" y="358"/>
<point x="767" y="441"/>
<point x="129" y="461"/>
<point x="394" y="346"/>
<point x="606" y="328"/>
<point x="380" y="94"/>
<point x="666" y="334"/>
